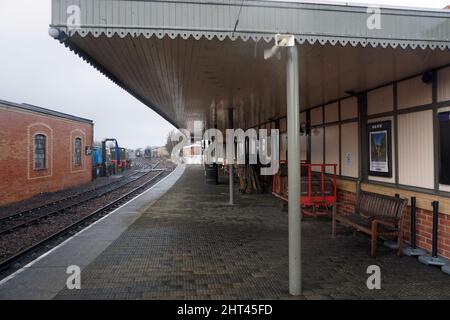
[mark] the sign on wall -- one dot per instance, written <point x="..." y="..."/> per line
<point x="380" y="154"/>
<point x="348" y="159"/>
<point x="88" y="150"/>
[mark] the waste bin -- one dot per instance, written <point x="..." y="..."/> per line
<point x="212" y="173"/>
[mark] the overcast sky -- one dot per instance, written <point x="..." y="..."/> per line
<point x="37" y="69"/>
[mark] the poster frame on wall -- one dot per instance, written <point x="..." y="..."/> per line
<point x="444" y="147"/>
<point x="377" y="133"/>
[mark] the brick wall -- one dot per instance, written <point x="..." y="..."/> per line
<point x="424" y="231"/>
<point x="424" y="225"/>
<point x="349" y="198"/>
<point x="19" y="179"/>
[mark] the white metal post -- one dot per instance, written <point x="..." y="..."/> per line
<point x="293" y="130"/>
<point x="230" y="165"/>
<point x="230" y="169"/>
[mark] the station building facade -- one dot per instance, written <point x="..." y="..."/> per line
<point x="41" y="151"/>
<point x="415" y="114"/>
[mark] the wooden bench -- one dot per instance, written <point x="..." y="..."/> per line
<point x="376" y="215"/>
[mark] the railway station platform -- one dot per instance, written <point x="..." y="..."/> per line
<point x="181" y="240"/>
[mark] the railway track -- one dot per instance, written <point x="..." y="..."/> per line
<point x="22" y="219"/>
<point x="28" y="235"/>
<point x="15" y="220"/>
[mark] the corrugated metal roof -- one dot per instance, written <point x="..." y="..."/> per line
<point x="309" y="22"/>
<point x="33" y="108"/>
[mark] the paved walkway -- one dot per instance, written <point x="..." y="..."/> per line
<point x="191" y="245"/>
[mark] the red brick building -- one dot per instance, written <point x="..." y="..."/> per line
<point x="41" y="151"/>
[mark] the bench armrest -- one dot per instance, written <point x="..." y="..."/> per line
<point x="387" y="221"/>
<point x="369" y="217"/>
<point x="340" y="203"/>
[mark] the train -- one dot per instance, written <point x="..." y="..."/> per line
<point x="123" y="162"/>
<point x="138" y="153"/>
<point x="107" y="161"/>
<point x="148" y="153"/>
<point x="97" y="162"/>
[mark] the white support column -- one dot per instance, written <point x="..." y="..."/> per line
<point x="293" y="130"/>
<point x="231" y="173"/>
<point x="231" y="165"/>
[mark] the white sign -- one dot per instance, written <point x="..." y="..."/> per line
<point x="349" y="159"/>
<point x="284" y="40"/>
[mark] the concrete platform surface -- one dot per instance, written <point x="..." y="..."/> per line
<point x="190" y="244"/>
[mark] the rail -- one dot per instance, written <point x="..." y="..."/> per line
<point x="4" y="264"/>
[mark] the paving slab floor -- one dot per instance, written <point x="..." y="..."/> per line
<point x="191" y="245"/>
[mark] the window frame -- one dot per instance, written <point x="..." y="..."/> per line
<point x="44" y="150"/>
<point x="77" y="159"/>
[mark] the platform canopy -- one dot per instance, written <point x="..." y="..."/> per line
<point x="183" y="60"/>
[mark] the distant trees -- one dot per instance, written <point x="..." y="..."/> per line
<point x="169" y="143"/>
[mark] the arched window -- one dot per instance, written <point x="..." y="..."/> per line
<point x="39" y="151"/>
<point x="77" y="152"/>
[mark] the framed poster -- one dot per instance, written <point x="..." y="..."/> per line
<point x="380" y="153"/>
<point x="444" y="147"/>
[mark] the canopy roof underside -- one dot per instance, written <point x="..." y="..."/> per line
<point x="182" y="58"/>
